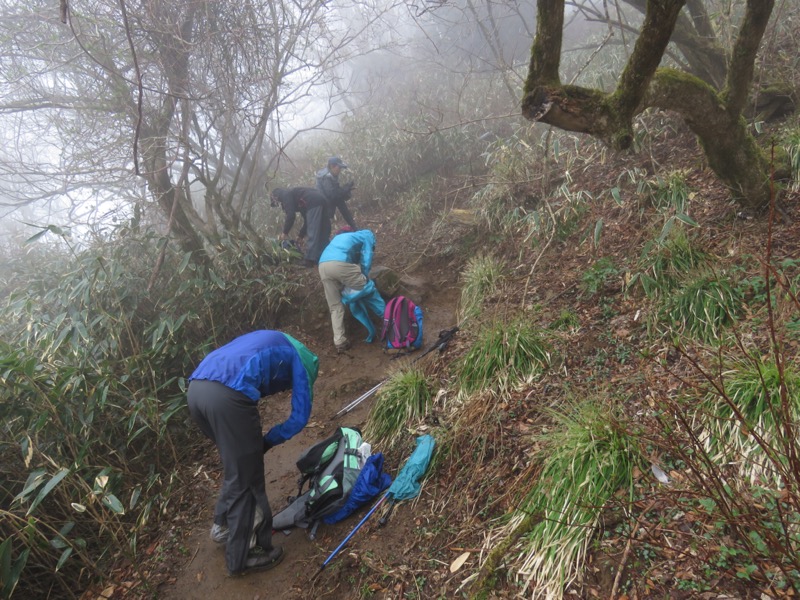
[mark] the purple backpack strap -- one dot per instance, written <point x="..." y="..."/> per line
<point x="388" y="317"/>
<point x="410" y="317"/>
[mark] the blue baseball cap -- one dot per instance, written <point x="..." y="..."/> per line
<point x="336" y="161"/>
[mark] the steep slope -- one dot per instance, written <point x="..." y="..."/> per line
<point x="573" y="280"/>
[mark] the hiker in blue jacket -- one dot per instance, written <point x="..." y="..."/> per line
<point x="336" y="195"/>
<point x="223" y="394"/>
<point x="344" y="269"/>
<point x="313" y="208"/>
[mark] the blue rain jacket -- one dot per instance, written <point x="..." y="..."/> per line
<point x="359" y="302"/>
<point x="371" y="482"/>
<point x="262" y="363"/>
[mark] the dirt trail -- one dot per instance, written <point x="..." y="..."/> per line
<point x="200" y="569"/>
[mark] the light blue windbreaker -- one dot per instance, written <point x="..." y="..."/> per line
<point x="361" y="300"/>
<point x="262" y="363"/>
<point x="347" y="247"/>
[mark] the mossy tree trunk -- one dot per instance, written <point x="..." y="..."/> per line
<point x="715" y="117"/>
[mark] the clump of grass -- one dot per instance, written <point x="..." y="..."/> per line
<point x="567" y="319"/>
<point x="416" y="205"/>
<point x="598" y="275"/>
<point x="670" y="193"/>
<point x="665" y="262"/>
<point x="404" y="400"/>
<point x="751" y="409"/>
<point x="480" y="279"/>
<point x="503" y="356"/>
<point x="585" y="460"/>
<point x="703" y="307"/>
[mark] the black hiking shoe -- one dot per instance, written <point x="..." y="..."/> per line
<point x="259" y="559"/>
<point x="343" y="347"/>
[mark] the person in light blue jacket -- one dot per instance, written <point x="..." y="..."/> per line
<point x="344" y="268"/>
<point x="223" y="394"/>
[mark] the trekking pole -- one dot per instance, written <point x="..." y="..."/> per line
<point x="359" y="400"/>
<point x="352" y="533"/>
<point x="444" y="338"/>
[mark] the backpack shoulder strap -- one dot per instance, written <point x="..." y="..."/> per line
<point x="389" y="317"/>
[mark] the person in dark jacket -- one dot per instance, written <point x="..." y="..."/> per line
<point x="223" y="394"/>
<point x="312" y="206"/>
<point x="336" y="195"/>
<point x="344" y="270"/>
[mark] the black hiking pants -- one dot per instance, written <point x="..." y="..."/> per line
<point x="231" y="420"/>
<point x="318" y="227"/>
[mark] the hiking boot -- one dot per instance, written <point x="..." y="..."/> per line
<point x="343" y="347"/>
<point x="259" y="559"/>
<point x="219" y="534"/>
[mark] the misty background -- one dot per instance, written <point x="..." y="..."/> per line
<point x="110" y="113"/>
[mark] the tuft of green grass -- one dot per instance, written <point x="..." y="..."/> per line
<point x="480" y="279"/>
<point x="668" y="194"/>
<point x="503" y="356"/>
<point x="702" y="307"/>
<point x="586" y="459"/>
<point x="753" y="390"/>
<point x="404" y="400"/>
<point x="566" y="320"/>
<point x="664" y="263"/>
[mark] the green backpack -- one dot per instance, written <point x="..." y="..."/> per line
<point x="330" y="468"/>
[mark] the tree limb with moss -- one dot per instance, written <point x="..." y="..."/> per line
<point x="715" y="116"/>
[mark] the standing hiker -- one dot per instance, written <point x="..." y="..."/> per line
<point x="344" y="269"/>
<point x="336" y="195"/>
<point x="223" y="394"/>
<point x="312" y="206"/>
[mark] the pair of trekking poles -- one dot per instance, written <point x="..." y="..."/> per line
<point x="445" y="335"/>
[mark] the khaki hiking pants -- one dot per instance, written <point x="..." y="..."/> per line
<point x="337" y="275"/>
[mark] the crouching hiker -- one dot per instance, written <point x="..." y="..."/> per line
<point x="223" y="394"/>
<point x="344" y="269"/>
<point x="312" y="206"/>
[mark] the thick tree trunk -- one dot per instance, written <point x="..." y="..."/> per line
<point x="731" y="151"/>
<point x="714" y="117"/>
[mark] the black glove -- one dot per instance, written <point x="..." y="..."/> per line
<point x="267" y="445"/>
<point x="348" y="187"/>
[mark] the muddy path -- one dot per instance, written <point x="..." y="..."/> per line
<point x="198" y="565"/>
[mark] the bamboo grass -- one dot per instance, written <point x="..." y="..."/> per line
<point x="504" y="356"/>
<point x="480" y="279"/>
<point x="755" y="391"/>
<point x="703" y="307"/>
<point x="586" y="460"/>
<point x="404" y="400"/>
